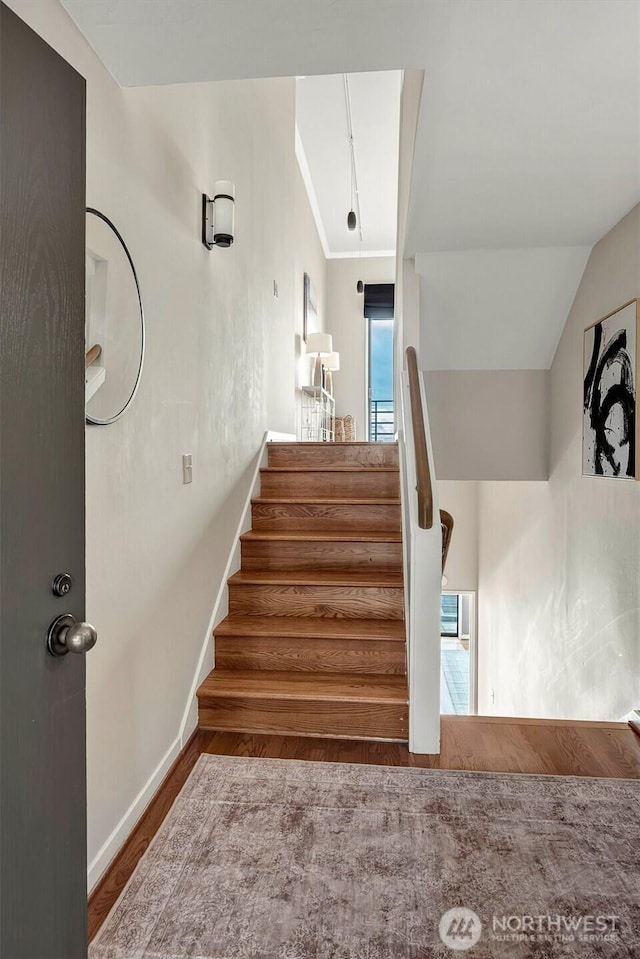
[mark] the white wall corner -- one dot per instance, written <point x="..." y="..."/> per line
<point x="110" y="848"/>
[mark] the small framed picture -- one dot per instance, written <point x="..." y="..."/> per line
<point x="310" y="321"/>
<point x="609" y="401"/>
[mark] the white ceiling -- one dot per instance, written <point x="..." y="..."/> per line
<point x="529" y="125"/>
<point x="527" y="153"/>
<point x="528" y="135"/>
<point x="181" y="41"/>
<point x="323" y="132"/>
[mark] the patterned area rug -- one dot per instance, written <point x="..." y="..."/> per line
<point x="276" y="859"/>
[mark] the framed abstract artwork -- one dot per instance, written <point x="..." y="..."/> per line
<point x="609" y="402"/>
<point x="310" y="321"/>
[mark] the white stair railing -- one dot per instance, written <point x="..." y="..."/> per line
<point x="422" y="536"/>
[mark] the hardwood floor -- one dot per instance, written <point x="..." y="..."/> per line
<point x="476" y="743"/>
<point x="108" y="889"/>
<point x="479" y="743"/>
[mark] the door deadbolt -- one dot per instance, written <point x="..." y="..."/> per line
<point x="66" y="635"/>
<point x="61" y="584"/>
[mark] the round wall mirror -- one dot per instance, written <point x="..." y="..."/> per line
<point x="114" y="329"/>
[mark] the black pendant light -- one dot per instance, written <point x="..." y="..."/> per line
<point x="352" y="219"/>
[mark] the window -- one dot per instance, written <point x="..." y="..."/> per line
<point x="379" y="304"/>
<point x="449" y="614"/>
<point x="381" y="418"/>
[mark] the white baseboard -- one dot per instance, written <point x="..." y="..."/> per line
<point x="204" y="666"/>
<point x="108" y="851"/>
<point x="206" y="660"/>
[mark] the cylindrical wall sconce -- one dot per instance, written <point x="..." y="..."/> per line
<point x="218" y="215"/>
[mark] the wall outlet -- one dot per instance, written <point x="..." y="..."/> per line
<point x="187" y="468"/>
<point x="275" y="289"/>
<point x="493" y="697"/>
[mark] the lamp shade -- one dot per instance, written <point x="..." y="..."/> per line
<point x="333" y="362"/>
<point x="321" y="344"/>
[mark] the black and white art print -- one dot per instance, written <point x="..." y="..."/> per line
<point x="609" y="396"/>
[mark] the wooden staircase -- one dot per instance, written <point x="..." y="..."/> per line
<point x="314" y="643"/>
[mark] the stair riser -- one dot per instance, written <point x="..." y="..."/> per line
<point x="359" y="484"/>
<point x="326" y="517"/>
<point x="333" y="454"/>
<point x="310" y="655"/>
<point x="301" y="718"/>
<point x="362" y="602"/>
<point x="282" y="555"/>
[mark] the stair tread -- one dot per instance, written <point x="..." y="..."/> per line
<point x="337" y="468"/>
<point x="321" y="536"/>
<point x="312" y="687"/>
<point x="329" y="446"/>
<point x="319" y="577"/>
<point x="328" y="500"/>
<point x="303" y="627"/>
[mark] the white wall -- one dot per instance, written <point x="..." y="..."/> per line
<point x="496" y="309"/>
<point x="346" y="323"/>
<point x="309" y="258"/>
<point x="220" y="369"/>
<point x="461" y="500"/>
<point x="489" y="425"/>
<point x="559" y="611"/>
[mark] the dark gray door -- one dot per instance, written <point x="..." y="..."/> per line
<point x="42" y="698"/>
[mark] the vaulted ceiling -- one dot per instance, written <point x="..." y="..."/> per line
<point x="528" y="140"/>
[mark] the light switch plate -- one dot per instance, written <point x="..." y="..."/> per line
<point x="187" y="468"/>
